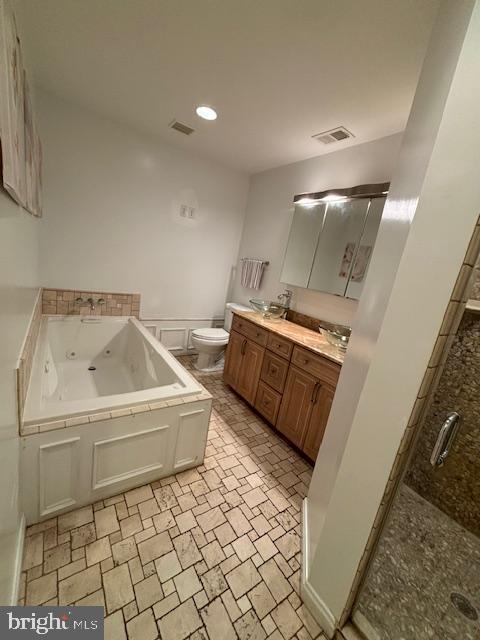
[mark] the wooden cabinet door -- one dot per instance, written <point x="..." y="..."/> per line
<point x="318" y="421"/>
<point x="274" y="371"/>
<point x="267" y="402"/>
<point x="250" y="368"/>
<point x="297" y="405"/>
<point x="233" y="358"/>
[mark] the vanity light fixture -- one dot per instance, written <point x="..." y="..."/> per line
<point x="332" y="197"/>
<point x="306" y="201"/>
<point x="206" y="112"/>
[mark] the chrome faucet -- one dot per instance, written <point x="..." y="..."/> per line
<point x="285" y="298"/>
<point x="92" y="302"/>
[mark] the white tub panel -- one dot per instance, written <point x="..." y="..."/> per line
<point x="191" y="441"/>
<point x="57" y="475"/>
<point x="129" y="456"/>
<point x="75" y="466"/>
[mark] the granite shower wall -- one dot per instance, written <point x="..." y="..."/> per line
<point x="454" y="488"/>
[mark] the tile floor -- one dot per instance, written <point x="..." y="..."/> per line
<point x="213" y="552"/>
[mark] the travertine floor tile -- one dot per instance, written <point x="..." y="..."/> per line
<point x="212" y="553"/>
<point x="75" y="519"/>
<point x="187" y="584"/>
<point x="243" y="578"/>
<point x="98" y="551"/>
<point x="142" y="627"/>
<point x="168" y="566"/>
<point x="286" y="619"/>
<point x="155" y="547"/>
<point x="79" y="585"/>
<point x="114" y="627"/>
<point x="41" y="589"/>
<point x="148" y="592"/>
<point x="118" y="587"/>
<point x="181" y="622"/>
<point x="217" y="622"/>
<point x="106" y="521"/>
<point x="33" y="552"/>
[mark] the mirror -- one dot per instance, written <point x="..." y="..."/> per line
<point x="302" y="243"/>
<point x="331" y="239"/>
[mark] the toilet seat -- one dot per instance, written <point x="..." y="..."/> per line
<point x="211" y="335"/>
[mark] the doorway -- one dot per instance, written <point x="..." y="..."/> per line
<point x="423" y="580"/>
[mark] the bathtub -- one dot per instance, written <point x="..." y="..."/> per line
<point x="107" y="408"/>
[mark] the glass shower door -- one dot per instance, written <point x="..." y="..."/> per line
<point x="424" y="579"/>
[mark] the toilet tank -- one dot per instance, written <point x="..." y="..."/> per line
<point x="229" y="309"/>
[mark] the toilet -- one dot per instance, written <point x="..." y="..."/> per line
<point x="210" y="343"/>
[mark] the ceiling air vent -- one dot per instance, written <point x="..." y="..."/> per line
<point x="183" y="128"/>
<point x="334" y="135"/>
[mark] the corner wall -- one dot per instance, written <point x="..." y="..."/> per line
<point x="18" y="282"/>
<point x="429" y="218"/>
<point x="270" y="210"/>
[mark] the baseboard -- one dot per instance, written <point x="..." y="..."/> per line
<point x="310" y="597"/>
<point x="18" y="562"/>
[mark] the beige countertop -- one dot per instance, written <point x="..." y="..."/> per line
<point x="306" y="338"/>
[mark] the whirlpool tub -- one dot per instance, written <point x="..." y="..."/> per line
<point x="108" y="408"/>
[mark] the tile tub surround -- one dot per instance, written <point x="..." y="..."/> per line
<point x="75" y="421"/>
<point x="422" y="558"/>
<point x="62" y="301"/>
<point x="213" y="552"/>
<point x="25" y="362"/>
<point x="302" y="336"/>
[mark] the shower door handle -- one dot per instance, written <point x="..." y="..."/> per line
<point x="446" y="436"/>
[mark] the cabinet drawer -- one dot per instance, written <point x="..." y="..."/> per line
<point x="274" y="371"/>
<point x="320" y="367"/>
<point x="280" y="346"/>
<point x="268" y="402"/>
<point x="250" y="330"/>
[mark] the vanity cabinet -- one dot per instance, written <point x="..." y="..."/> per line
<point x="318" y="421"/>
<point x="297" y="404"/>
<point x="290" y="386"/>
<point x="243" y="364"/>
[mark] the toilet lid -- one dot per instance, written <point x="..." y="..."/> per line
<point x="210" y="334"/>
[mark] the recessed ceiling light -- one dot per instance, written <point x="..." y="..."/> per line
<point x="207" y="113"/>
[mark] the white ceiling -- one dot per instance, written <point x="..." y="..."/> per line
<point x="277" y="71"/>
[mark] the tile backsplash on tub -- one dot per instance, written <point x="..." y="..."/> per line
<point x="25" y="362"/>
<point x="63" y="302"/>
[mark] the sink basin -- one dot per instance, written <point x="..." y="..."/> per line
<point x="336" y="334"/>
<point x="267" y="308"/>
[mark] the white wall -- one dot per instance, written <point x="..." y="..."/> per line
<point x="428" y="220"/>
<point x="270" y="211"/>
<point x="18" y="279"/>
<point x="19" y="282"/>
<point x="112" y="199"/>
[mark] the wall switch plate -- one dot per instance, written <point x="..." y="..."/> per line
<point x="186" y="211"/>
